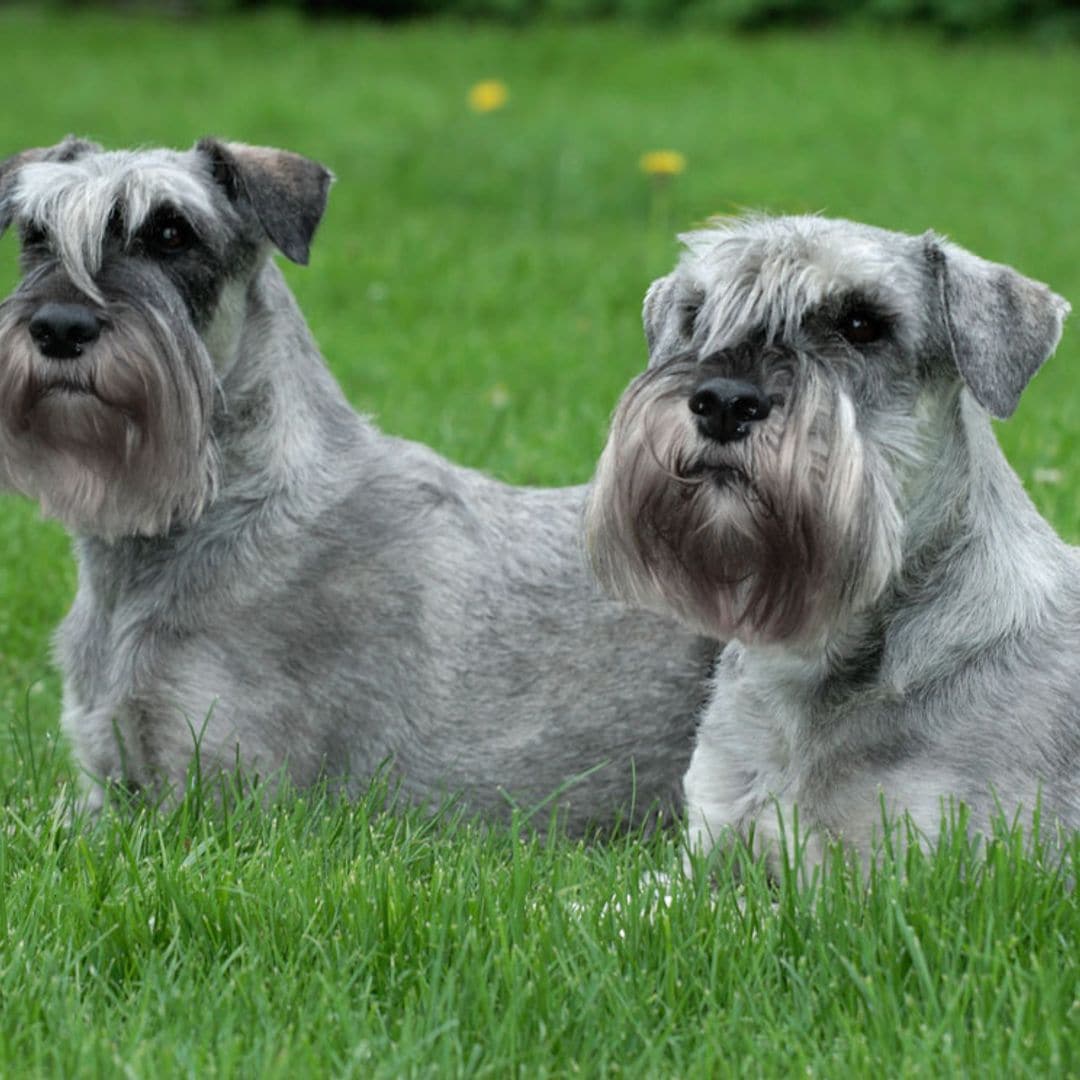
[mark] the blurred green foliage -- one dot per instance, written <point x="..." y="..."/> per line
<point x="1047" y="18"/>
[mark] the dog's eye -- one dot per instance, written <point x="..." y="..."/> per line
<point x="31" y="235"/>
<point x="168" y="234"/>
<point x="861" y="327"/>
<point x="688" y="317"/>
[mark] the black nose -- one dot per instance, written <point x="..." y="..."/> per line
<point x="62" y="331"/>
<point x="726" y="408"/>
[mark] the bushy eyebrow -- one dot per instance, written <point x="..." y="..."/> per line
<point x="75" y="203"/>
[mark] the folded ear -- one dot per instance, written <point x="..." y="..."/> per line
<point x="671" y="306"/>
<point x="1001" y="326"/>
<point x="285" y="191"/>
<point x="67" y="149"/>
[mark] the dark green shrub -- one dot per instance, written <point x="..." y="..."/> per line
<point x="1051" y="18"/>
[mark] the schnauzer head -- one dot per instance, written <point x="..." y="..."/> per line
<point x="130" y="311"/>
<point x="756" y="476"/>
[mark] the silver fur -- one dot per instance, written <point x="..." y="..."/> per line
<point x="905" y="625"/>
<point x="263" y="573"/>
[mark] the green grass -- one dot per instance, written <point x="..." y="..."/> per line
<point x="477" y="286"/>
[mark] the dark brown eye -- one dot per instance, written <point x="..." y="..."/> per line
<point x="168" y="234"/>
<point x="861" y="327"/>
<point x="32" y="235"/>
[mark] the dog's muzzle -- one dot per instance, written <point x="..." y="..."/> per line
<point x="62" y="331"/>
<point x="726" y="408"/>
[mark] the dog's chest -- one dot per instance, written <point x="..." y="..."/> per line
<point x="131" y="618"/>
<point x="788" y="735"/>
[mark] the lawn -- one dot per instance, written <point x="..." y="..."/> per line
<point x="476" y="285"/>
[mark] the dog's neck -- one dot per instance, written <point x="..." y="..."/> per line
<point x="972" y="532"/>
<point x="971" y="520"/>
<point x="278" y="369"/>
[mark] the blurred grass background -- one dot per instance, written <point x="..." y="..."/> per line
<point x="477" y="285"/>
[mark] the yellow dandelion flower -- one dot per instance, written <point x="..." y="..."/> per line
<point x="487" y="96"/>
<point x="662" y="163"/>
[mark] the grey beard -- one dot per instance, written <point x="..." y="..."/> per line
<point x="118" y="441"/>
<point x="768" y="539"/>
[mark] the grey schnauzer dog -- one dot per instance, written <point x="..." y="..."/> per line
<point x="263" y="575"/>
<point x="808" y="469"/>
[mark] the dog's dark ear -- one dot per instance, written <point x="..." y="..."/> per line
<point x="286" y="192"/>
<point x="68" y="149"/>
<point x="671" y="306"/>
<point x="1001" y="326"/>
